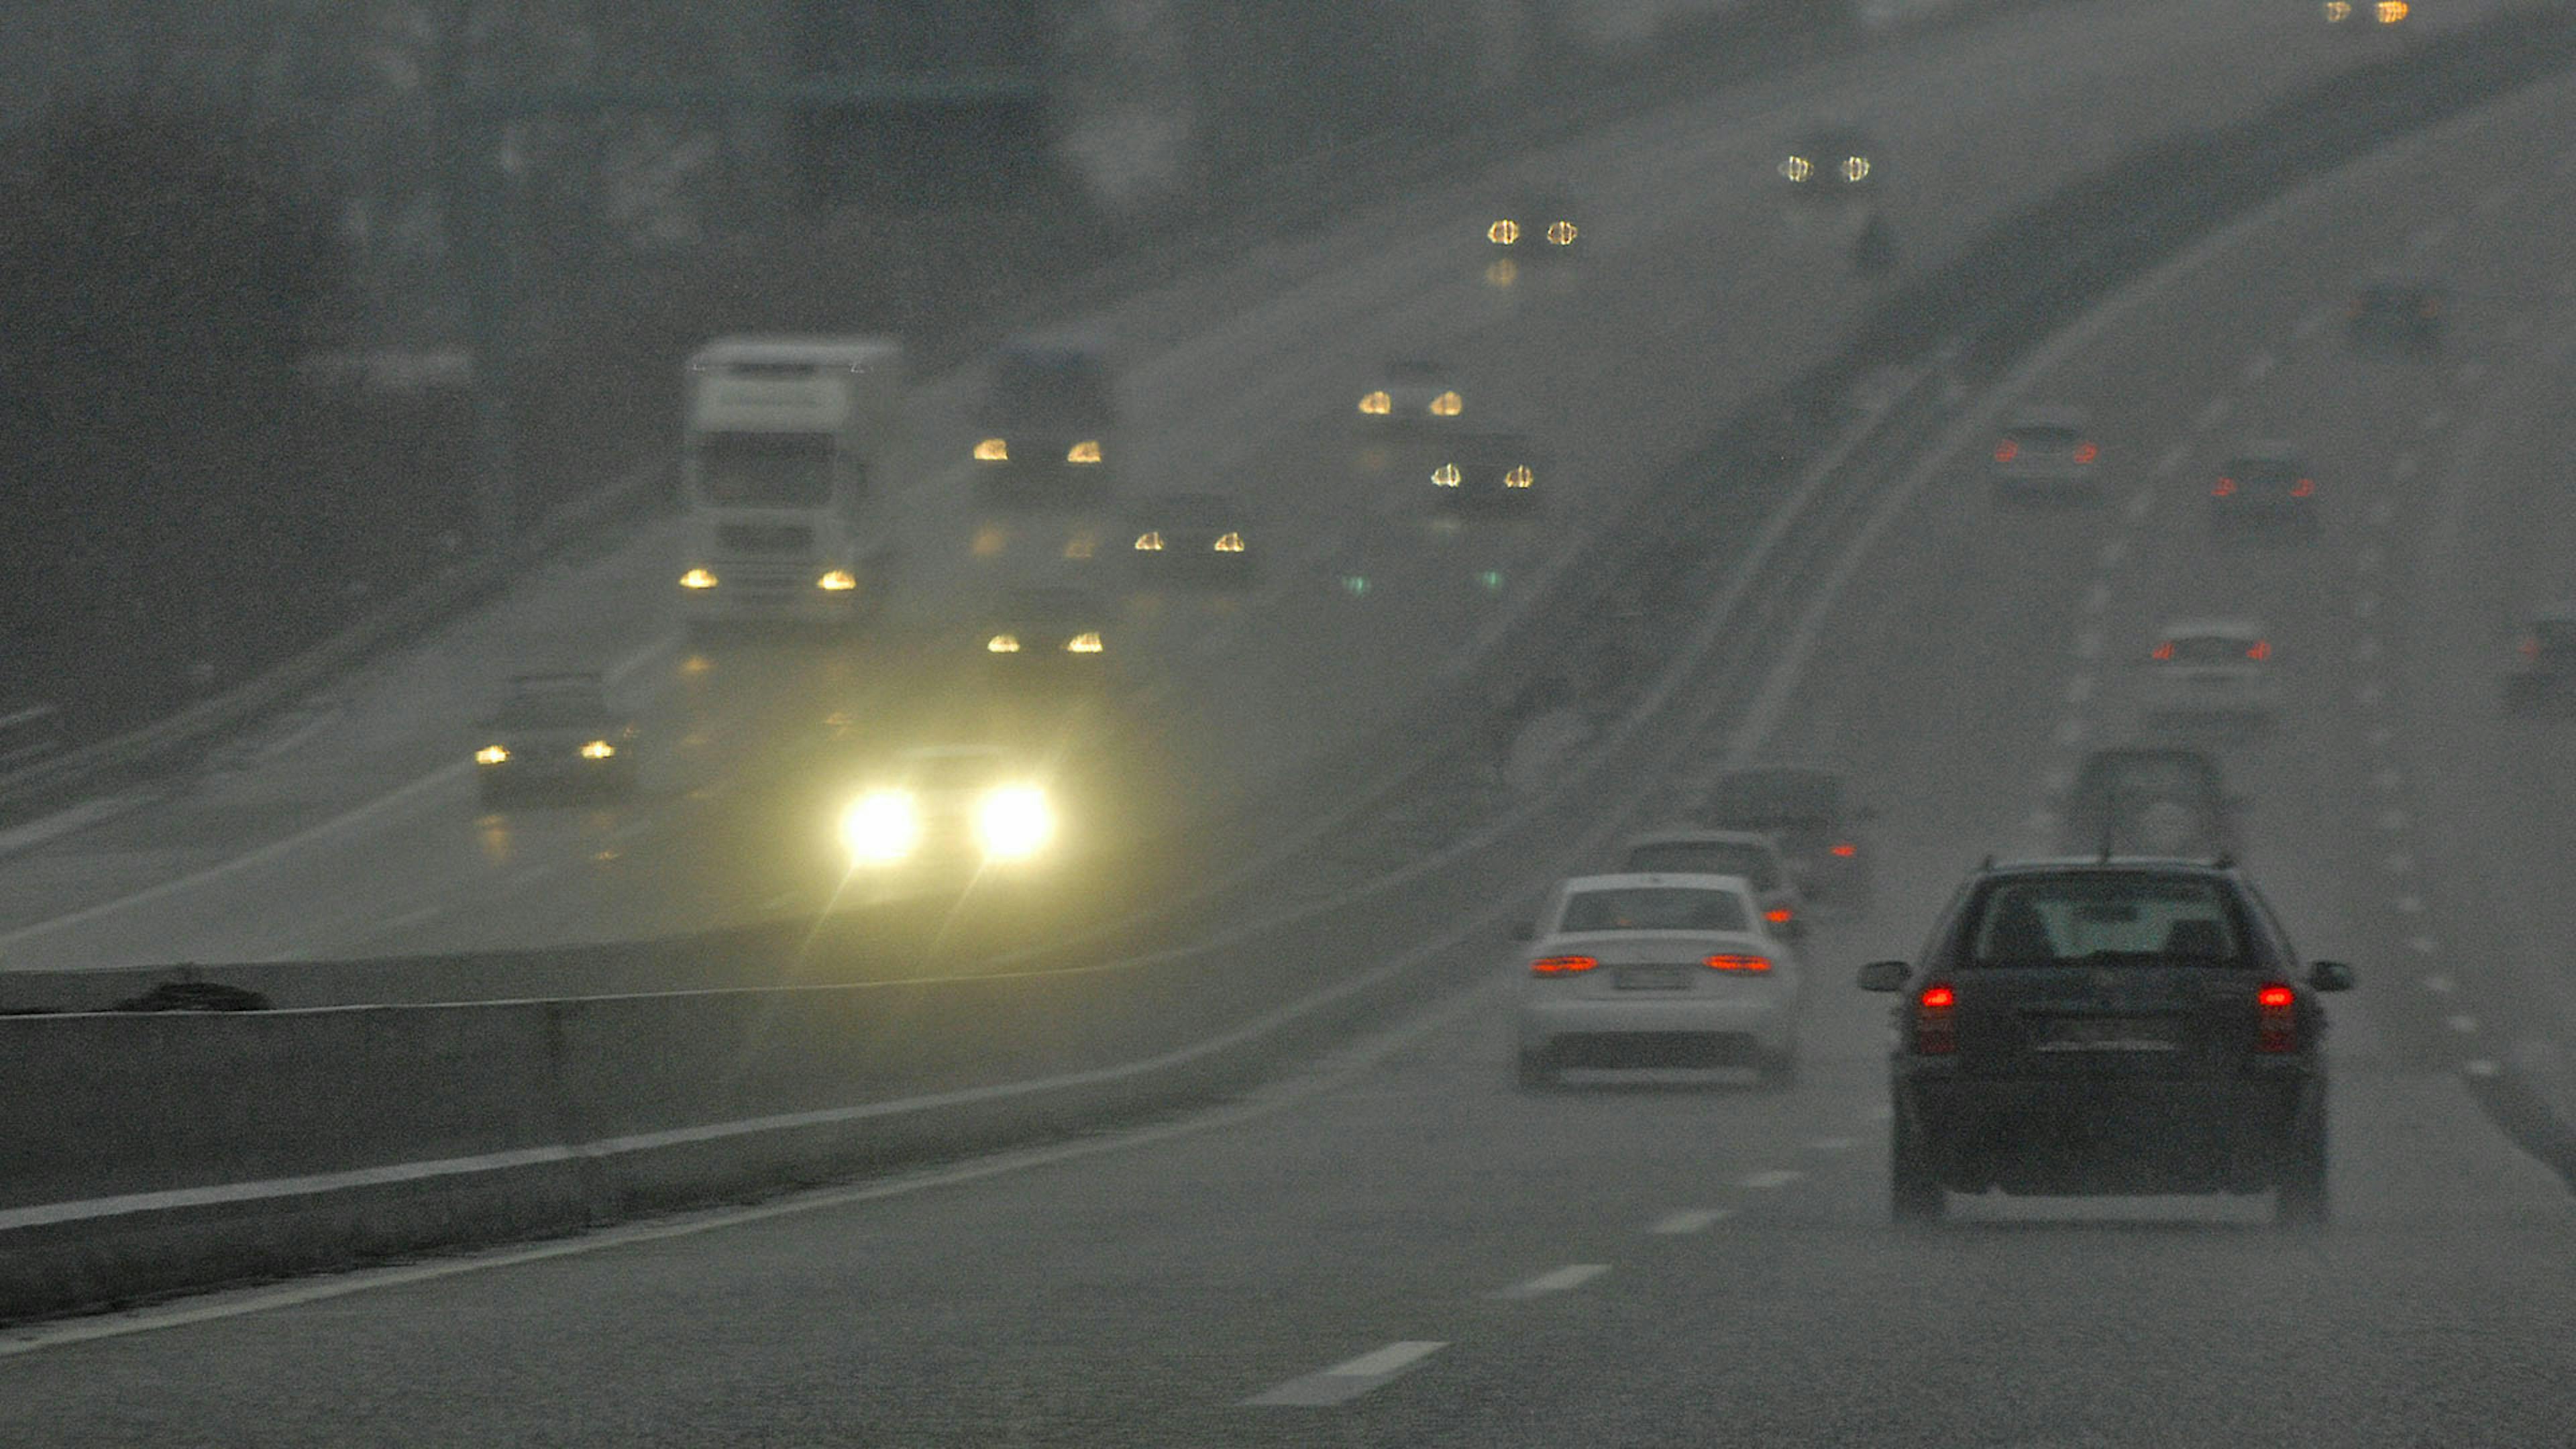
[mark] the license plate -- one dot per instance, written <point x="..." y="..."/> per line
<point x="2108" y="1034"/>
<point x="1650" y="978"/>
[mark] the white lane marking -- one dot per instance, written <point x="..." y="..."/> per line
<point x="2097" y="598"/>
<point x="2370" y="693"/>
<point x="617" y="673"/>
<point x="2070" y="732"/>
<point x="2212" y="413"/>
<point x="339" y="824"/>
<point x="2397" y="863"/>
<point x="2481" y="1067"/>
<point x="2172" y="459"/>
<point x="1346" y="1381"/>
<point x="2410" y="905"/>
<point x="64" y="822"/>
<point x="1776" y="1177"/>
<point x="2088" y="643"/>
<point x="2258" y="367"/>
<point x="1689" y="1220"/>
<point x="2079" y="689"/>
<point x="1572" y="1275"/>
<point x="2422" y="945"/>
<point x="2464" y="1024"/>
<point x="2366" y="648"/>
<point x="2405" y="465"/>
<point x="2392" y="821"/>
<point x="2365" y="605"/>
<point x="2113" y="551"/>
<point x="2440" y="985"/>
<point x="2436" y="418"/>
<point x="1830" y="1144"/>
<point x="409" y="919"/>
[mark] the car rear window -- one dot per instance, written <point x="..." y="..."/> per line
<point x="2203" y="649"/>
<point x="1652" y="908"/>
<point x="2045" y="440"/>
<point x="2106" y="918"/>
<point x="1713" y="857"/>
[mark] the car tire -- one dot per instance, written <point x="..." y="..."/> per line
<point x="1915" y="1196"/>
<point x="1535" y="1071"/>
<point x="2299" y="1194"/>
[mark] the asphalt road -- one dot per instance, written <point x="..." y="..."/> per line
<point x="349" y="827"/>
<point x="1396" y="1247"/>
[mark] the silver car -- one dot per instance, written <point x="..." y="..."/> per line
<point x="1655" y="970"/>
<point x="2207" y="675"/>
<point x="2048" y="455"/>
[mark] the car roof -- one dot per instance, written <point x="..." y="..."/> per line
<point x="2048" y="417"/>
<point x="2211" y="629"/>
<point x="2266" y="450"/>
<point x="2113" y="865"/>
<point x="1699" y="835"/>
<point x="2126" y="754"/>
<point x="1656" y="880"/>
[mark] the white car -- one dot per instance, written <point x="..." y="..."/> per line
<point x="2048" y="454"/>
<point x="2210" y="674"/>
<point x="1696" y="850"/>
<point x="1655" y="969"/>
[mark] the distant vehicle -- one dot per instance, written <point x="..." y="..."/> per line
<point x="1416" y="395"/>
<point x="1484" y="473"/>
<point x="2108" y="1027"/>
<point x="2210" y="675"/>
<point x="1810" y="815"/>
<point x="2543" y="676"/>
<point x="1051" y="636"/>
<point x="1194" y="537"/>
<point x="1048" y="425"/>
<point x="2365" y="15"/>
<point x="790" y="444"/>
<point x="1538" y="226"/>
<point x="2403" y="315"/>
<point x="554" y="736"/>
<point x="1747" y="854"/>
<point x="2148" y="800"/>
<point x="1830" y="178"/>
<point x="2048" y="454"/>
<point x="2267" y="488"/>
<point x="1655" y="970"/>
<point x="950" y="810"/>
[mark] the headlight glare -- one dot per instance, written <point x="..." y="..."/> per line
<point x="1014" y="822"/>
<point x="881" y="827"/>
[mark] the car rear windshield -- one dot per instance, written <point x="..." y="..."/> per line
<point x="1652" y="908"/>
<point x="569" y="710"/>
<point x="2046" y="440"/>
<point x="2097" y="918"/>
<point x="2204" y="649"/>
<point x="1707" y="857"/>
<point x="2263" y="472"/>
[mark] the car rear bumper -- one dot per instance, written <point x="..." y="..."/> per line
<point x="2138" y="1135"/>
<point x="1601" y="1027"/>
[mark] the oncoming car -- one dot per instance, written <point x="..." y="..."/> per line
<point x="2120" y="1027"/>
<point x="1491" y="472"/>
<point x="1194" y="538"/>
<point x="1538" y="226"/>
<point x="949" y="808"/>
<point x="1655" y="970"/>
<point x="2210" y="674"/>
<point x="1748" y="854"/>
<point x="1416" y="394"/>
<point x="2365" y="15"/>
<point x="1046" y="636"/>
<point x="554" y="735"/>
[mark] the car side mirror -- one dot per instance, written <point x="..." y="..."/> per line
<point x="1525" y="931"/>
<point x="2329" y="976"/>
<point x="1884" y="976"/>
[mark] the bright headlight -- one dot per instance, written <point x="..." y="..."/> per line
<point x="1855" y="168"/>
<point x="1149" y="541"/>
<point x="1228" y="543"/>
<point x="598" y="750"/>
<point x="1519" y="477"/>
<point x="1503" y="233"/>
<point x="837" y="581"/>
<point x="492" y="755"/>
<point x="1086" y="642"/>
<point x="1014" y="822"/>
<point x="1446" y="475"/>
<point x="1560" y="233"/>
<point x="698" y="579"/>
<point x="1377" y="404"/>
<point x="993" y="450"/>
<point x="881" y="827"/>
<point x="1447" y="405"/>
<point x="1085" y="451"/>
<point x="1003" y="644"/>
<point x="1797" y="168"/>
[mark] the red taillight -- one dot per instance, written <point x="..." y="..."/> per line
<point x="2261" y="650"/>
<point x="1846" y="850"/>
<point x="2165" y="650"/>
<point x="2086" y="452"/>
<point x="1739" y="963"/>
<point x="1934" y="1032"/>
<point x="1779" y="915"/>
<point x="2304" y="488"/>
<point x="1561" y="965"/>
<point x="2224" y="488"/>
<point x="2531" y="648"/>
<point x="2007" y="450"/>
<point x="2276" y="1027"/>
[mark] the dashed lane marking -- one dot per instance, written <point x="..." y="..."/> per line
<point x="2079" y="689"/>
<point x="1689" y="1220"/>
<point x="2440" y="985"/>
<point x="1572" y="1275"/>
<point x="2088" y="643"/>
<point x="1345" y="1381"/>
<point x="2171" y="462"/>
<point x="2463" y="1023"/>
<point x="2113" y="551"/>
<point x="2410" y="905"/>
<point x="1775" y="1177"/>
<point x="2422" y="945"/>
<point x="2258" y="367"/>
<point x="2212" y="413"/>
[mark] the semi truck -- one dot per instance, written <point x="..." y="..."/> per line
<point x="792" y="447"/>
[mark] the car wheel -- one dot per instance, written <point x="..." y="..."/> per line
<point x="2299" y="1195"/>
<point x="1536" y="1070"/>
<point x="1914" y="1195"/>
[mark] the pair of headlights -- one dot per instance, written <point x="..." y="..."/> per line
<point x="998" y="450"/>
<point x="831" y="581"/>
<point x="886" y="827"/>
<point x="500" y="754"/>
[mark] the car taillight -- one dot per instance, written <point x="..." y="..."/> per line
<point x="2086" y="452"/>
<point x="1779" y="915"/>
<point x="2276" y="1026"/>
<point x="2531" y="648"/>
<point x="2165" y="650"/>
<point x="1729" y="962"/>
<point x="1935" y="1034"/>
<point x="2304" y="488"/>
<point x="2007" y="450"/>
<point x="2259" y="650"/>
<point x="1561" y="965"/>
<point x="1846" y="850"/>
<point x="2223" y="488"/>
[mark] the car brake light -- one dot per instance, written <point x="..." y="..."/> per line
<point x="2531" y="648"/>
<point x="2261" y="650"/>
<point x="2007" y="450"/>
<point x="2165" y="650"/>
<point x="1779" y="915"/>
<point x="2277" y="1022"/>
<point x="1561" y="965"/>
<point x="2086" y="452"/>
<point x="2225" y="488"/>
<point x="1935" y="1033"/>
<point x="2305" y="487"/>
<point x="1728" y="962"/>
<point x="1846" y="850"/>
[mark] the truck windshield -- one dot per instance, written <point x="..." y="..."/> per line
<point x="776" y="470"/>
